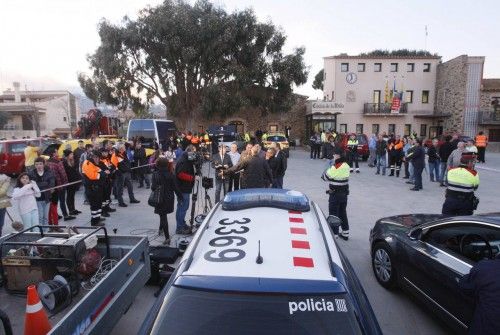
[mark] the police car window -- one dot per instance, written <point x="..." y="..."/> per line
<point x="276" y="138"/>
<point x="190" y="312"/>
<point x="465" y="240"/>
<point x="361" y="139"/>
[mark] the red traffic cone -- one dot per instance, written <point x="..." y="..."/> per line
<point x="36" y="321"/>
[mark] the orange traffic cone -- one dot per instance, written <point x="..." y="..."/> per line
<point x="36" y="321"/>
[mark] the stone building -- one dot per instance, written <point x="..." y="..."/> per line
<point x="489" y="112"/>
<point x="458" y="93"/>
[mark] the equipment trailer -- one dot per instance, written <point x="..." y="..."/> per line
<point x="95" y="311"/>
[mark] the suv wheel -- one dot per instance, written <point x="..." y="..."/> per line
<point x="383" y="265"/>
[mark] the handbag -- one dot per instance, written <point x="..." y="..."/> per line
<point x="155" y="196"/>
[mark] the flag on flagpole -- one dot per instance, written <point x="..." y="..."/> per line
<point x="401" y="93"/>
<point x="386" y="93"/>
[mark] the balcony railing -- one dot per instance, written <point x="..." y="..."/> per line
<point x="489" y="118"/>
<point x="383" y="108"/>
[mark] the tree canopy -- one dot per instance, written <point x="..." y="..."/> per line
<point x="193" y="58"/>
<point x="319" y="80"/>
<point x="400" y="53"/>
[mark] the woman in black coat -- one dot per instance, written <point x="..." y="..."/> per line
<point x="164" y="179"/>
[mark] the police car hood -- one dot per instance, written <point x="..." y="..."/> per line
<point x="292" y="248"/>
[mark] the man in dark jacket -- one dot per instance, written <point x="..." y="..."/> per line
<point x="281" y="165"/>
<point x="445" y="151"/>
<point x="57" y="167"/>
<point x="77" y="153"/>
<point x="123" y="175"/>
<point x="221" y="162"/>
<point x="185" y="177"/>
<point x="417" y="157"/>
<point x="483" y="282"/>
<point x="45" y="179"/>
<point x="141" y="160"/>
<point x="380" y="151"/>
<point x="434" y="160"/>
<point x="257" y="171"/>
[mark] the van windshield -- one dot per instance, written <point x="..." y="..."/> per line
<point x="143" y="130"/>
<point x="192" y="312"/>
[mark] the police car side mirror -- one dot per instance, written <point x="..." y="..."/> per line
<point x="333" y="221"/>
<point x="415" y="234"/>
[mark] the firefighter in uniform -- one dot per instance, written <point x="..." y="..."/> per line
<point x="462" y="182"/>
<point x="352" y="152"/>
<point x="94" y="177"/>
<point x="106" y="165"/>
<point x="338" y="176"/>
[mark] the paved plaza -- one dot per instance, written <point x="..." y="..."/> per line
<point x="371" y="197"/>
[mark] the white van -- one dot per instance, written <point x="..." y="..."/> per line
<point x="149" y="131"/>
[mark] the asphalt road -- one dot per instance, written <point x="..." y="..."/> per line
<point x="371" y="197"/>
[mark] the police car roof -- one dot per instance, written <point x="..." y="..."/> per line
<point x="297" y="249"/>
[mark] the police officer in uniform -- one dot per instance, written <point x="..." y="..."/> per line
<point x="94" y="177"/>
<point x="352" y="151"/>
<point x="338" y="176"/>
<point x="462" y="182"/>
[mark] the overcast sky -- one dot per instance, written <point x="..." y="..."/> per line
<point x="43" y="44"/>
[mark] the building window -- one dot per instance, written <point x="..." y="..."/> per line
<point x="344" y="67"/>
<point x="375" y="128"/>
<point x="394" y="67"/>
<point x="391" y="129"/>
<point x="378" y="67"/>
<point x="359" y="128"/>
<point x="361" y="67"/>
<point x="423" y="130"/>
<point x="427" y="67"/>
<point x="65" y="118"/>
<point x="333" y="95"/>
<point x="409" y="96"/>
<point x="425" y="97"/>
<point x="376" y="97"/>
<point x="343" y="128"/>
<point x="407" y="129"/>
<point x="410" y="67"/>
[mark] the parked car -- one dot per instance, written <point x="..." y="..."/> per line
<point x="427" y="255"/>
<point x="277" y="138"/>
<point x="12" y="153"/>
<point x="244" y="274"/>
<point x="363" y="150"/>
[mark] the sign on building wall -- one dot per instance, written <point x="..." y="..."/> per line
<point x="326" y="107"/>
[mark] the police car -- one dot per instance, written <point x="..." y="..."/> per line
<point x="263" y="261"/>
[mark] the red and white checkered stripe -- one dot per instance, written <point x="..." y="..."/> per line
<point x="299" y="239"/>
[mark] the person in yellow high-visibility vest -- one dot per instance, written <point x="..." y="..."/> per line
<point x="462" y="182"/>
<point x="338" y="176"/>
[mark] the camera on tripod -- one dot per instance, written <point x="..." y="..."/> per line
<point x="207" y="182"/>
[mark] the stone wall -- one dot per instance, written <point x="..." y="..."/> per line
<point x="254" y="119"/>
<point x="450" y="92"/>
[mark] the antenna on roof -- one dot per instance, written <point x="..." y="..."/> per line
<point x="259" y="259"/>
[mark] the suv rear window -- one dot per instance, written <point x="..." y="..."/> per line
<point x="188" y="312"/>
<point x="17" y="148"/>
<point x="361" y="139"/>
<point x="277" y="138"/>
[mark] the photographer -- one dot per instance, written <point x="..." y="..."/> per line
<point x="221" y="162"/>
<point x="184" y="177"/>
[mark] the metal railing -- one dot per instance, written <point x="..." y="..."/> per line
<point x="489" y="117"/>
<point x="383" y="108"/>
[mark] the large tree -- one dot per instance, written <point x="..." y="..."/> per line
<point x="194" y="58"/>
<point x="319" y="80"/>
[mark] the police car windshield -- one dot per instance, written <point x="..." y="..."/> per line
<point x="190" y="312"/>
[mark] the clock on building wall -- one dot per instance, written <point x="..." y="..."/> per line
<point x="351" y="77"/>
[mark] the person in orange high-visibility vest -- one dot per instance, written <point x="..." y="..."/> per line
<point x="195" y="140"/>
<point x="94" y="178"/>
<point x="481" y="144"/>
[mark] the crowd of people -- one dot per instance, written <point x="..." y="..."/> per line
<point x="105" y="169"/>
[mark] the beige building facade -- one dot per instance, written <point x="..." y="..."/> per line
<point x="360" y="89"/>
<point x="38" y="113"/>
